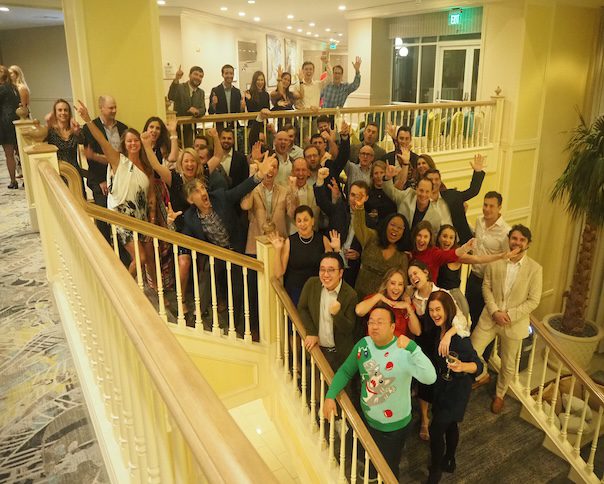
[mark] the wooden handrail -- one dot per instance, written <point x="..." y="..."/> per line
<point x="212" y="118"/>
<point x="576" y="370"/>
<point x="152" y="230"/>
<point x="353" y="418"/>
<point x="218" y="445"/>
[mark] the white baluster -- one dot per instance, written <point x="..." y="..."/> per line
<point x="232" y="333"/>
<point x="366" y="473"/>
<point x="342" y="463"/>
<point x="594" y="441"/>
<point x="332" y="438"/>
<point x="567" y="410"/>
<point x="303" y="383"/>
<point x="180" y="318"/>
<point x="321" y="415"/>
<point x="196" y="298"/>
<point x="286" y="342"/>
<point x="279" y="309"/>
<point x="353" y="458"/>
<point x="247" y="335"/>
<point x="116" y="247"/>
<point x="295" y="361"/>
<point x="550" y="418"/>
<point x="160" y="284"/>
<point x="577" y="447"/>
<point x="215" y="323"/>
<point x="542" y="383"/>
<point x="137" y="257"/>
<point x="531" y="364"/>
<point x="313" y="397"/>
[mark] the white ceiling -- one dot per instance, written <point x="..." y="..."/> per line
<point x="20" y="17"/>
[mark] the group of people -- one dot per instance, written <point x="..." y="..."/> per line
<point x="307" y="93"/>
<point x="369" y="244"/>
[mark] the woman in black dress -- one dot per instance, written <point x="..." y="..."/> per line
<point x="9" y="102"/>
<point x="282" y="98"/>
<point x="256" y="99"/>
<point x="452" y="387"/>
<point x="449" y="275"/>
<point x="297" y="258"/>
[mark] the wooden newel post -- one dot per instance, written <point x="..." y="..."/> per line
<point x="28" y="133"/>
<point x="37" y="154"/>
<point x="266" y="294"/>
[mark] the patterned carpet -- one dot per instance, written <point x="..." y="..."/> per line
<point x="45" y="434"/>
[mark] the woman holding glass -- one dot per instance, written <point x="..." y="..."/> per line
<point x="452" y="387"/>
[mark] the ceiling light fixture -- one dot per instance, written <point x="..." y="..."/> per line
<point x="311" y="24"/>
<point x="256" y="19"/>
<point x="251" y="2"/>
<point x="241" y="14"/>
<point x="290" y="16"/>
<point x="289" y="27"/>
<point x="340" y="34"/>
<point x="316" y="35"/>
<point x="308" y="33"/>
<point x="223" y="9"/>
<point x="342" y="7"/>
<point x="161" y="2"/>
<point x="299" y="30"/>
<point x="327" y="29"/>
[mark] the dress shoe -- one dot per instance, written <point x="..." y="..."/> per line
<point x="448" y="464"/>
<point x="497" y="405"/>
<point x="483" y="381"/>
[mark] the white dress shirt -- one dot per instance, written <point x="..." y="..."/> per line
<point x="226" y="161"/>
<point x="326" y="338"/>
<point x="489" y="240"/>
<point x="511" y="275"/>
<point x="443" y="210"/>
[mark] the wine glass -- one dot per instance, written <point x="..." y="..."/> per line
<point x="450" y="358"/>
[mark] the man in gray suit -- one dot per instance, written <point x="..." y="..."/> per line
<point x="512" y="290"/>
<point x="189" y="99"/>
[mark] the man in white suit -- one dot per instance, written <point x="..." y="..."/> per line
<point x="511" y="290"/>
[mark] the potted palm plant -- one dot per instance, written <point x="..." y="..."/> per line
<point x="581" y="188"/>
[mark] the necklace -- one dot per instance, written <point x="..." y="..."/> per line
<point x="305" y="241"/>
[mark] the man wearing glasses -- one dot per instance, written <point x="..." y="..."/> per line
<point x="326" y="307"/>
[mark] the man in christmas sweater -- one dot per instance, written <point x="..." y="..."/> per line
<point x="386" y="370"/>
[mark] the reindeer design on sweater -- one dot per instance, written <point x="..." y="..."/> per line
<point x="377" y="387"/>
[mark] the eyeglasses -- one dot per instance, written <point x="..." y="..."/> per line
<point x="327" y="270"/>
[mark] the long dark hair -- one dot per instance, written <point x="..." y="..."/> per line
<point x="382" y="230"/>
<point x="162" y="145"/>
<point x="440" y="231"/>
<point x="254" y="92"/>
<point x="448" y="305"/>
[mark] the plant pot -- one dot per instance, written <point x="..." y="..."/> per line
<point x="579" y="349"/>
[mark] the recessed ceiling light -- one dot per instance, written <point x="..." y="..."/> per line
<point x="316" y="35"/>
<point x="340" y="34"/>
<point x="299" y="30"/>
<point x="342" y="7"/>
<point x="289" y="27"/>
<point x="241" y="14"/>
<point x="256" y="19"/>
<point x="290" y="16"/>
<point x="311" y="24"/>
<point x="224" y="9"/>
<point x="161" y="2"/>
<point x="327" y="29"/>
<point x="308" y="33"/>
<point x="4" y="9"/>
<point x="251" y="2"/>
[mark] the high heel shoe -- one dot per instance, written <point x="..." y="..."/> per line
<point x="13" y="185"/>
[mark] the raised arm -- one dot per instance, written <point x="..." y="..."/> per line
<point x="367" y="305"/>
<point x="477" y="178"/>
<point x="162" y="170"/>
<point x="218" y="151"/>
<point x="281" y="246"/>
<point x="363" y="233"/>
<point x="173" y="155"/>
<point x="112" y="155"/>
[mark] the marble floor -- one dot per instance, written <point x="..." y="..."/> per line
<point x="45" y="434"/>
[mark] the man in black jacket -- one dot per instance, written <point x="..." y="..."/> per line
<point x="234" y="162"/>
<point x="226" y="98"/>
<point x="450" y="203"/>
<point x="189" y="99"/>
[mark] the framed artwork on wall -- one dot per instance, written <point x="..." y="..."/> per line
<point x="291" y="57"/>
<point x="274" y="58"/>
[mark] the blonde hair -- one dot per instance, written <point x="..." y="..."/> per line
<point x="388" y="275"/>
<point x="20" y="76"/>
<point x="193" y="153"/>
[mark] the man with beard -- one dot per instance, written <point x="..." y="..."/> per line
<point x="189" y="99"/>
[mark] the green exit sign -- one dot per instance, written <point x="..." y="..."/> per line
<point x="454" y="18"/>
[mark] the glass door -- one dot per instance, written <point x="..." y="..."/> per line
<point x="456" y="74"/>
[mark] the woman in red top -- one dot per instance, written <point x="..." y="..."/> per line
<point x="434" y="257"/>
<point x="392" y="293"/>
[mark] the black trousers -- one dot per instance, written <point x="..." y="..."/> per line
<point x="391" y="445"/>
<point x="444" y="437"/>
<point x="476" y="303"/>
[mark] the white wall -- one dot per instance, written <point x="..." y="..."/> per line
<point x="208" y="41"/>
<point x="42" y="54"/>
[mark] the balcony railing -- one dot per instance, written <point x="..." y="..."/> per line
<point x="156" y="418"/>
<point x="437" y="127"/>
